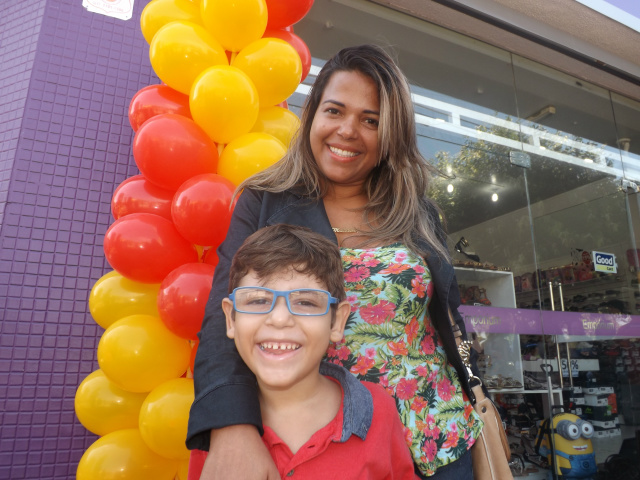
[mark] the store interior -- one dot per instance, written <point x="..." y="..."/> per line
<point x="535" y="170"/>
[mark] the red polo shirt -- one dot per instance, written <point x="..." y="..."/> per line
<point x="364" y="447"/>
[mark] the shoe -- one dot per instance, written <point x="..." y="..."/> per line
<point x="511" y="383"/>
<point x="482" y="297"/>
<point x="531" y="383"/>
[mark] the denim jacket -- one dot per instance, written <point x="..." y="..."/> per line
<point x="226" y="392"/>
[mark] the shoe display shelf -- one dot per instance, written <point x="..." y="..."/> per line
<point x="590" y="295"/>
<point x="500" y="361"/>
<point x="497" y="283"/>
<point x="536" y="383"/>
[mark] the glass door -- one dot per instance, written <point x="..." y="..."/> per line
<point x="583" y="284"/>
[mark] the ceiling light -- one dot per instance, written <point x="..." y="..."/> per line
<point x="494" y="197"/>
<point x="449" y="188"/>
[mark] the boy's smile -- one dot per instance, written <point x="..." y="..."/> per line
<point x="274" y="347"/>
<point x="284" y="350"/>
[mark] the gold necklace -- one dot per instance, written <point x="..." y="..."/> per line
<point x="344" y="230"/>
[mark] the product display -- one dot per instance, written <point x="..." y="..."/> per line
<point x="570" y="452"/>
<point x="593" y="378"/>
<point x="473" y="295"/>
<point x="479" y="265"/>
<point x="498" y="382"/>
<point x="531" y="383"/>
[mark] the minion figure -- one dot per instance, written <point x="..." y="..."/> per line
<point x="571" y="452"/>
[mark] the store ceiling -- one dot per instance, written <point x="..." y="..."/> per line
<point x="461" y="68"/>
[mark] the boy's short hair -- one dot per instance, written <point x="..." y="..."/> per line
<point x="279" y="247"/>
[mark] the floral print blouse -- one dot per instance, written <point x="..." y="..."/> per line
<point x="389" y="340"/>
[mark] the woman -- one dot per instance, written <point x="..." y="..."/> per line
<point x="354" y="174"/>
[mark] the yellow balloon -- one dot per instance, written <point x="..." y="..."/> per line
<point x="164" y="416"/>
<point x="224" y="102"/>
<point x="274" y="66"/>
<point x="158" y="13"/>
<point x="138" y="353"/>
<point x="279" y="122"/>
<point x="183" y="470"/>
<point x="235" y="24"/>
<point x="112" y="273"/>
<point x="114" y="297"/>
<point x="180" y="51"/>
<point x="102" y="407"/>
<point x="248" y="155"/>
<point x="123" y="455"/>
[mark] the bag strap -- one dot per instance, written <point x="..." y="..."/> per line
<point x="544" y="429"/>
<point x="464" y="350"/>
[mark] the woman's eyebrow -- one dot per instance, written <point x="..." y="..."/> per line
<point x="340" y="104"/>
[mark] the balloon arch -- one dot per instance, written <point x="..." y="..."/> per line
<point x="219" y="117"/>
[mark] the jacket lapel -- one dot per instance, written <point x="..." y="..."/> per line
<point x="305" y="212"/>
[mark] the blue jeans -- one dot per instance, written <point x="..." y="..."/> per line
<point x="461" y="469"/>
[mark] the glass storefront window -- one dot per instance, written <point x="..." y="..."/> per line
<point x="539" y="175"/>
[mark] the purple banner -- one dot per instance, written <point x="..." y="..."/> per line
<point x="535" y="322"/>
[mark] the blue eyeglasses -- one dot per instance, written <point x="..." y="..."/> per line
<point x="301" y="301"/>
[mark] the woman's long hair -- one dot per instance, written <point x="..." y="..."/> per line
<point x="397" y="187"/>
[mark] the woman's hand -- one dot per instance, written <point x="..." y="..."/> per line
<point x="238" y="452"/>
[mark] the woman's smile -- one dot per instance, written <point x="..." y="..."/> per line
<point x="343" y="153"/>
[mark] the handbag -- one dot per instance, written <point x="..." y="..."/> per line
<point x="490" y="454"/>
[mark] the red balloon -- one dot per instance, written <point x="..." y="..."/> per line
<point x="145" y="247"/>
<point x="137" y="195"/>
<point x="155" y="100"/>
<point x="210" y="257"/>
<point x="170" y="149"/>
<point x="283" y="13"/>
<point x="182" y="297"/>
<point x="201" y="209"/>
<point x="297" y="43"/>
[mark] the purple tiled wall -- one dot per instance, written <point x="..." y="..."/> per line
<point x="66" y="80"/>
<point x="18" y="42"/>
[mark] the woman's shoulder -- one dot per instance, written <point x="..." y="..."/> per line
<point x="260" y="196"/>
<point x="267" y="205"/>
<point x="267" y="193"/>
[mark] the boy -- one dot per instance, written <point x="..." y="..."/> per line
<point x="319" y="421"/>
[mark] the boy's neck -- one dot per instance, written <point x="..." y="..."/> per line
<point x="296" y="413"/>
